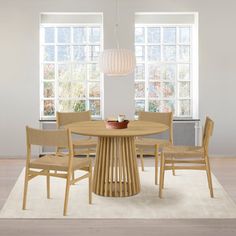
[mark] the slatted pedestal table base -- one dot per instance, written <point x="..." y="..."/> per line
<point x="116" y="171"/>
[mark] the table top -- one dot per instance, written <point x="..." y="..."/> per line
<point x="98" y="129"/>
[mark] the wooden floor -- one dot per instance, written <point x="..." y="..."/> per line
<point x="223" y="168"/>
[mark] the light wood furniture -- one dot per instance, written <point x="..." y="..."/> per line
<point x="64" y="165"/>
<point x="188" y="158"/>
<point x="115" y="171"/>
<point x="223" y="168"/>
<point x="81" y="146"/>
<point x="151" y="146"/>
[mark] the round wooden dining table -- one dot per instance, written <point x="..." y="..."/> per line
<point x="116" y="170"/>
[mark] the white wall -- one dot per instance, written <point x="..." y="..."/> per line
<point x="19" y="60"/>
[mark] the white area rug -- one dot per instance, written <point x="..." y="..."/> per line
<point x="186" y="195"/>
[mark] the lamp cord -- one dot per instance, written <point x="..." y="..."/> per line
<point x="117" y="24"/>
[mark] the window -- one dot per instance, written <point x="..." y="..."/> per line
<point x="70" y="79"/>
<point x="163" y="78"/>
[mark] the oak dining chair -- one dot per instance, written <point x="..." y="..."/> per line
<point x="152" y="146"/>
<point x="85" y="146"/>
<point x="55" y="165"/>
<point x="188" y="157"/>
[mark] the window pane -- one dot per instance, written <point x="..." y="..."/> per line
<point x="169" y="72"/>
<point x="79" y="72"/>
<point x="139" y="106"/>
<point x="154" y="89"/>
<point x="184" y="107"/>
<point x="154" y="106"/>
<point x="71" y="105"/>
<point x="184" y="72"/>
<point x="79" y="35"/>
<point x="63" y="35"/>
<point x="94" y="106"/>
<point x="79" y="106"/>
<point x="80" y="53"/>
<point x="64" y="72"/>
<point x="140" y="72"/>
<point x="65" y="105"/>
<point x="48" y="89"/>
<point x="64" y="89"/>
<point x="94" y="35"/>
<point x="49" y="108"/>
<point x="184" y="35"/>
<point x="63" y="53"/>
<point x="94" y="89"/>
<point x="168" y="106"/>
<point x="139" y="89"/>
<point x="140" y="53"/>
<point x="154" y="72"/>
<point x="78" y="90"/>
<point x="139" y="35"/>
<point x="184" y="89"/>
<point x="168" y="90"/>
<point x="169" y="53"/>
<point x="94" y="73"/>
<point x="184" y="53"/>
<point x="49" y="35"/>
<point x="48" y="71"/>
<point x="94" y="52"/>
<point x="72" y="90"/>
<point x="154" y="53"/>
<point x="154" y="35"/>
<point x="169" y="35"/>
<point x="49" y="53"/>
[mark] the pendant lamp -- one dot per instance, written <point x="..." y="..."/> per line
<point x="117" y="61"/>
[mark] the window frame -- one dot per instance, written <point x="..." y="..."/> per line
<point x="70" y="62"/>
<point x="193" y="63"/>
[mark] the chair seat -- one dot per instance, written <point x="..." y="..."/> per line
<point x="183" y="151"/>
<point x="53" y="162"/>
<point x="151" y="142"/>
<point x="85" y="143"/>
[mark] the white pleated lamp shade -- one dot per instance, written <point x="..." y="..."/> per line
<point x="117" y="62"/>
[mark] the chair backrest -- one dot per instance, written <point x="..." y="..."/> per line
<point x="64" y="118"/>
<point x="207" y="133"/>
<point x="160" y="117"/>
<point x="53" y="138"/>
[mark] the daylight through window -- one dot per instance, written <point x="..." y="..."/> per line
<point x="163" y="78"/>
<point x="70" y="79"/>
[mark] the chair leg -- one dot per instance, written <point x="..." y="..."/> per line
<point x="73" y="176"/>
<point x="90" y="182"/>
<point x="141" y="159"/>
<point x="66" y="194"/>
<point x="156" y="164"/>
<point x="48" y="184"/>
<point x="87" y="155"/>
<point x="208" y="170"/>
<point x="173" y="166"/>
<point x="25" y="189"/>
<point x="162" y="172"/>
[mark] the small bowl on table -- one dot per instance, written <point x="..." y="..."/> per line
<point x="114" y="124"/>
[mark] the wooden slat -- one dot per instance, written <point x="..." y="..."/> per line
<point x="186" y="168"/>
<point x="79" y="178"/>
<point x="103" y="155"/>
<point x="118" y="164"/>
<point x="111" y="167"/>
<point x="127" y="183"/>
<point x="184" y="161"/>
